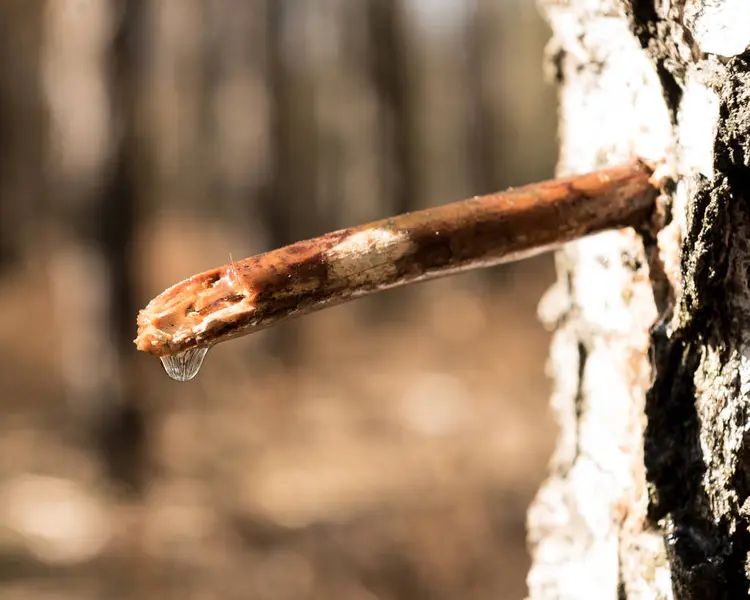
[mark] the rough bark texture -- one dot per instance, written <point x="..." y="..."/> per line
<point x="648" y="494"/>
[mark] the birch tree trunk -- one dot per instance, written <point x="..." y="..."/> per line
<point x="649" y="485"/>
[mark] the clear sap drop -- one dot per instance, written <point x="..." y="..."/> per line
<point x="185" y="365"/>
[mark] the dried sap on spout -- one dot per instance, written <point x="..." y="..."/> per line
<point x="183" y="366"/>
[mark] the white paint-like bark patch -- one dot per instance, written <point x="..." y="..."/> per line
<point x="617" y="111"/>
<point x="698" y="119"/>
<point x="719" y="26"/>
<point x="604" y="288"/>
<point x="592" y="559"/>
<point x="612" y="109"/>
<point x="744" y="372"/>
<point x="368" y="256"/>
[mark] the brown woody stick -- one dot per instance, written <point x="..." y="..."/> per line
<point x="254" y="293"/>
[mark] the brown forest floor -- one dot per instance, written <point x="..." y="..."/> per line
<point x="395" y="459"/>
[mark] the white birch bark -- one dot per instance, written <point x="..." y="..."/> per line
<point x="647" y="495"/>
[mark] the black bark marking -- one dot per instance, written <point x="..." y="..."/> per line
<point x="655" y="37"/>
<point x="693" y="496"/>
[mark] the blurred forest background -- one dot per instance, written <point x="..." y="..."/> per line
<point x="385" y="449"/>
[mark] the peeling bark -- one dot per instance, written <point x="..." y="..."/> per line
<point x="649" y="485"/>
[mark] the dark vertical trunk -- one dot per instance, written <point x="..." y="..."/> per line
<point x="483" y="159"/>
<point x="388" y="69"/>
<point x="290" y="207"/>
<point x="92" y="177"/>
<point x="237" y="137"/>
<point x="21" y="126"/>
<point x="121" y="434"/>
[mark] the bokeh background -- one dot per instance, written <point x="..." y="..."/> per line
<point x="385" y="449"/>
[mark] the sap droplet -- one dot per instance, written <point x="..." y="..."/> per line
<point x="185" y="365"/>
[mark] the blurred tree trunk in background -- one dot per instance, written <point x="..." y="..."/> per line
<point x="649" y="485"/>
<point x="122" y="436"/>
<point x="21" y="125"/>
<point x="289" y="206"/>
<point x="390" y="81"/>
<point x="90" y="84"/>
<point x="235" y="121"/>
